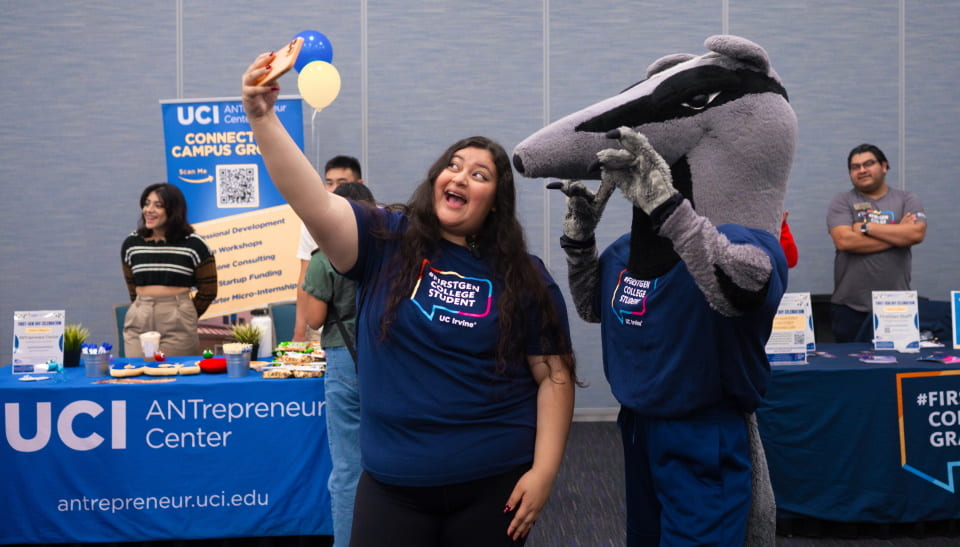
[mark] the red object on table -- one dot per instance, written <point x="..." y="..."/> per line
<point x="213" y="365"/>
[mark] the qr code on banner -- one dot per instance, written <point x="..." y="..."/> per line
<point x="238" y="185"/>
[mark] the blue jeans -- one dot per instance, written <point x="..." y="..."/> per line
<point x="343" y="433"/>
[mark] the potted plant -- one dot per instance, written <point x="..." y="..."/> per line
<point x="246" y="333"/>
<point x="74" y="335"/>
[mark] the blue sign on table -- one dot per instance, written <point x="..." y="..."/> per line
<point x="203" y="456"/>
<point x="930" y="425"/>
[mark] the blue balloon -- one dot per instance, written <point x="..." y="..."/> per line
<point x="316" y="47"/>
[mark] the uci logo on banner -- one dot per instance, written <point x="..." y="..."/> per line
<point x="78" y="425"/>
<point x="203" y="114"/>
<point x="929" y="412"/>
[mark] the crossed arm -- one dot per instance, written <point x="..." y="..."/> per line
<point x="879" y="237"/>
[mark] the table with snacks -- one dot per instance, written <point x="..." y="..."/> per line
<point x="861" y="436"/>
<point x="178" y="455"/>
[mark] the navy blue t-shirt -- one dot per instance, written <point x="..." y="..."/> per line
<point x="667" y="353"/>
<point x="434" y="408"/>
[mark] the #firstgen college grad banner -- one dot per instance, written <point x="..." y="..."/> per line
<point x="232" y="202"/>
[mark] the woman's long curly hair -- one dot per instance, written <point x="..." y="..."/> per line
<point x="174" y="204"/>
<point x="501" y="240"/>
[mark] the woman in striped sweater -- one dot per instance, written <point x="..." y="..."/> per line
<point x="162" y="261"/>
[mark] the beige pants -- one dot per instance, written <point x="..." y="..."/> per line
<point x="174" y="317"/>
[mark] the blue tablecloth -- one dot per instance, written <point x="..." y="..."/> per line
<point x="204" y="456"/>
<point x="854" y="442"/>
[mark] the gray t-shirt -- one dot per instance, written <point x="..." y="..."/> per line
<point x="856" y="275"/>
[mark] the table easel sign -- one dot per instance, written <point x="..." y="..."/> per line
<point x="37" y="338"/>
<point x="896" y="323"/>
<point x="954" y="316"/>
<point x="801" y="300"/>
<point x="789" y="340"/>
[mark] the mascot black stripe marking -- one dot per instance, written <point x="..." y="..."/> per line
<point x="680" y="95"/>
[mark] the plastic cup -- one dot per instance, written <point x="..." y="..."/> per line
<point x="150" y="342"/>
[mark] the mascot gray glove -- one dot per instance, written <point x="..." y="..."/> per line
<point x="579" y="223"/>
<point x="583" y="208"/>
<point x="637" y="170"/>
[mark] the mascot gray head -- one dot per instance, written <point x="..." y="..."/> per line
<point x="720" y="120"/>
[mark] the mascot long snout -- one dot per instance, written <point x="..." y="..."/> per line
<point x="721" y="120"/>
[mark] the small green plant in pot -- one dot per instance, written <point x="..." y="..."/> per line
<point x="74" y="335"/>
<point x="246" y="333"/>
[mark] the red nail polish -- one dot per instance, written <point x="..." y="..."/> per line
<point x="267" y="67"/>
<point x="507" y="508"/>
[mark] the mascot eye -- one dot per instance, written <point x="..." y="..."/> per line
<point x="699" y="102"/>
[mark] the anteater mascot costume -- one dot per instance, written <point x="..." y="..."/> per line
<point x="702" y="149"/>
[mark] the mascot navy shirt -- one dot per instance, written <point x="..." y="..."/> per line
<point x="434" y="408"/>
<point x="667" y="353"/>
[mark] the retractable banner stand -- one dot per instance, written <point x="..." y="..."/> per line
<point x="232" y="202"/>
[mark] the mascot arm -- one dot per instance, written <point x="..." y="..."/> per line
<point x="734" y="277"/>
<point x="579" y="224"/>
<point x="583" y="275"/>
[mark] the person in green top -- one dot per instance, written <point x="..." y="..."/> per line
<point x="331" y="303"/>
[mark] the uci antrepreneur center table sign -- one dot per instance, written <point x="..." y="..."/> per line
<point x="204" y="456"/>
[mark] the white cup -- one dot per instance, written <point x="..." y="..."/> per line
<point x="150" y="342"/>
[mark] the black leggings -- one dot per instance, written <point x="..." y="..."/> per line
<point x="461" y="515"/>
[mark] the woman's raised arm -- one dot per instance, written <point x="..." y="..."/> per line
<point x="328" y="217"/>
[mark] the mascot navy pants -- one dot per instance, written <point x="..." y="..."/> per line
<point x="687" y="480"/>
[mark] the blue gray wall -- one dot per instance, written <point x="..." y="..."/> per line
<point x="81" y="133"/>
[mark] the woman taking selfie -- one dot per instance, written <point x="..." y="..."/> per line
<point x="465" y="367"/>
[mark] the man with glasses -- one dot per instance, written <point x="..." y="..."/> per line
<point x="873" y="228"/>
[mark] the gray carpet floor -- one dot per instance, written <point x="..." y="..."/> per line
<point x="586" y="507"/>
